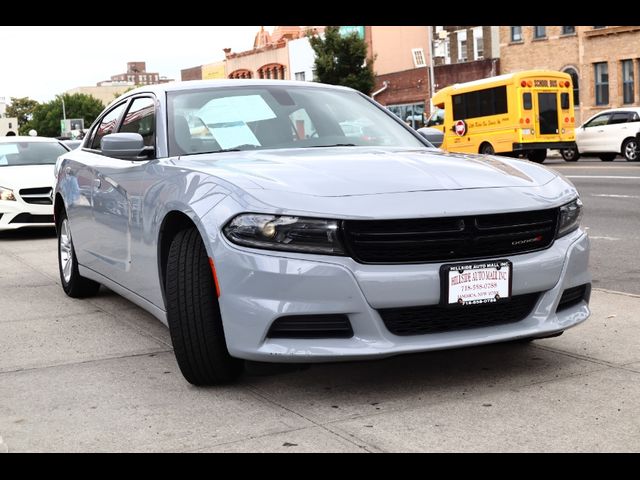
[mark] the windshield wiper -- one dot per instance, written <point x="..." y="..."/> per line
<point x="335" y="145"/>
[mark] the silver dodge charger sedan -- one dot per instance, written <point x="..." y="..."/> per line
<point x="255" y="221"/>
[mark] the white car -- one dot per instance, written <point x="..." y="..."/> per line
<point x="26" y="181"/>
<point x="606" y="135"/>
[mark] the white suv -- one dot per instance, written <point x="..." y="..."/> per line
<point x="606" y="135"/>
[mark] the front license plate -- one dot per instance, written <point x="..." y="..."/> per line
<point x="476" y="282"/>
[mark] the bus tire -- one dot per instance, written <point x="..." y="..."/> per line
<point x="570" y="154"/>
<point x="607" y="157"/>
<point x="538" y="156"/>
<point x="487" y="149"/>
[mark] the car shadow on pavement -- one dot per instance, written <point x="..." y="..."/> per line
<point x="27" y="234"/>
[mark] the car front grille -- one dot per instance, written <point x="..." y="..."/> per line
<point x="311" y="326"/>
<point x="427" y="240"/>
<point x="439" y="318"/>
<point x="38" y="196"/>
<point x="28" y="218"/>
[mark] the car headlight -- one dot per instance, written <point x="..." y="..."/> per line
<point x="570" y="216"/>
<point x="291" y="234"/>
<point x="6" y="194"/>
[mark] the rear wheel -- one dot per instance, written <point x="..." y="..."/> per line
<point x="630" y="149"/>
<point x="194" y="316"/>
<point x="72" y="282"/>
<point x="487" y="149"/>
<point x="570" y="154"/>
<point x="607" y="157"/>
<point x="537" y="156"/>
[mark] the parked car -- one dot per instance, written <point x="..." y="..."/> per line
<point x="256" y="242"/>
<point x="26" y="181"/>
<point x="606" y="135"/>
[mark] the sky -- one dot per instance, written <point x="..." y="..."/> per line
<point x="42" y="62"/>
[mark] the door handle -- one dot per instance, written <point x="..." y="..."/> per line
<point x="97" y="182"/>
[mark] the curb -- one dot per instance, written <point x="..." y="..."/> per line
<point x="615" y="292"/>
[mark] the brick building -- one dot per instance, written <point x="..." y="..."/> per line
<point x="602" y="60"/>
<point x="137" y="74"/>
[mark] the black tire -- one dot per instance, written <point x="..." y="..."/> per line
<point x="194" y="316"/>
<point x="607" y="157"/>
<point x="537" y="156"/>
<point x="630" y="150"/>
<point x="73" y="283"/>
<point x="487" y="149"/>
<point x="570" y="154"/>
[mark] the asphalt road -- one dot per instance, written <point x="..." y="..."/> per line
<point x="610" y="192"/>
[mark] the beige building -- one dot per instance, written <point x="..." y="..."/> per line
<point x="398" y="48"/>
<point x="604" y="61"/>
<point x="105" y="93"/>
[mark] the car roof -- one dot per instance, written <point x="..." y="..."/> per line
<point x="205" y="84"/>
<point x="25" y="138"/>
<point x="618" y="110"/>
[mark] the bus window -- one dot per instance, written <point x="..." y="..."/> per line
<point x="564" y="101"/>
<point x="526" y="101"/>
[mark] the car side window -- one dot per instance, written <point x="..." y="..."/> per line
<point x="141" y="118"/>
<point x="598" y="121"/>
<point x="621" y="117"/>
<point x="107" y="125"/>
<point x="634" y="117"/>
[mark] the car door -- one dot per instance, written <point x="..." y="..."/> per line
<point x="590" y="135"/>
<point x="119" y="187"/>
<point x="81" y="211"/>
<point x="617" y="129"/>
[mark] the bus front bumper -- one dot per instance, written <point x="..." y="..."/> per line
<point x="518" y="147"/>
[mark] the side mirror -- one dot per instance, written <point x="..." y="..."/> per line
<point x="126" y="146"/>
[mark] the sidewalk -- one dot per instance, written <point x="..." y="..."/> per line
<point x="99" y="375"/>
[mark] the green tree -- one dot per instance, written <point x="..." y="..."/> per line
<point x="47" y="116"/>
<point x="22" y="109"/>
<point x="342" y="60"/>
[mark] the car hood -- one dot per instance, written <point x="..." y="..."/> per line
<point x="26" y="176"/>
<point x="354" y="171"/>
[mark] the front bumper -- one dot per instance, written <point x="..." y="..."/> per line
<point x="17" y="213"/>
<point x="258" y="287"/>
<point x="519" y="147"/>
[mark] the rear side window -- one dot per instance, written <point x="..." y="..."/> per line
<point x="141" y="118"/>
<point x="107" y="125"/>
<point x="564" y="101"/>
<point x="526" y="101"/>
<point x="622" y="117"/>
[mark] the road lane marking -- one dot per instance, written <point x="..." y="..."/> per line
<point x="593" y="237"/>
<point x="612" y="177"/>
<point x="613" y="195"/>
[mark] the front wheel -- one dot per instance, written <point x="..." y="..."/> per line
<point x="537" y="156"/>
<point x="72" y="282"/>
<point x="630" y="149"/>
<point x="193" y="314"/>
<point x="570" y="154"/>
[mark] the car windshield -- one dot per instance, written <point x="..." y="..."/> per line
<point x="29" y="153"/>
<point x="276" y="117"/>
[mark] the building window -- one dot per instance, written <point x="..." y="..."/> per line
<point x="300" y="76"/>
<point x="568" y="30"/>
<point x="576" y="85"/>
<point x="602" y="83"/>
<point x="627" y="81"/>
<point x="462" y="46"/>
<point x="539" y="31"/>
<point x="418" y="57"/>
<point x="478" y="44"/>
<point x="516" y="34"/>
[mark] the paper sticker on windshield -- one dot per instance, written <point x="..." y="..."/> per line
<point x="233" y="134"/>
<point x="242" y="108"/>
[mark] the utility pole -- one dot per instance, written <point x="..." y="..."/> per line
<point x="431" y="82"/>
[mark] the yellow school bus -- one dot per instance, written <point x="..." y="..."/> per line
<point x="523" y="113"/>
